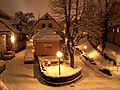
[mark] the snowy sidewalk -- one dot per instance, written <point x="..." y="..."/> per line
<point x="85" y="46"/>
<point x="113" y="51"/>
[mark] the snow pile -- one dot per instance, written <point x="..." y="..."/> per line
<point x="65" y="70"/>
<point x="114" y="52"/>
<point x="102" y="63"/>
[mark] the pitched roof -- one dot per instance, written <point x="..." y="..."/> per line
<point x="46" y="35"/>
<point x="3" y="14"/>
<point x="4" y="29"/>
<point x="46" y="16"/>
<point x="13" y="20"/>
<point x="8" y="25"/>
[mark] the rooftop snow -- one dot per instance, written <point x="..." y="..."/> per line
<point x="43" y="35"/>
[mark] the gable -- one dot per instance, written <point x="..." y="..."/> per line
<point x="9" y="26"/>
<point x="46" y="19"/>
<point x="3" y="15"/>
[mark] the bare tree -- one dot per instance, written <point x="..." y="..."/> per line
<point x="25" y="17"/>
<point x="89" y="21"/>
<point x="99" y="16"/>
<point x="109" y="13"/>
<point x="68" y="10"/>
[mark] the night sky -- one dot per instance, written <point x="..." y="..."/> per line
<point x="38" y="7"/>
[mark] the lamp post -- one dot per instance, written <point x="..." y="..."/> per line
<point x="59" y="55"/>
<point x="85" y="47"/>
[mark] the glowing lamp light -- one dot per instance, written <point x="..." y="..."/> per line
<point x="66" y="40"/>
<point x="59" y="54"/>
<point x="85" y="47"/>
<point x="12" y="38"/>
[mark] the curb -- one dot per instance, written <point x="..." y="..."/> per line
<point x="61" y="81"/>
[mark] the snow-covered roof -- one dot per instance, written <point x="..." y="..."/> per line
<point x="3" y="29"/>
<point x="13" y="20"/>
<point x="3" y="14"/>
<point x="46" y="35"/>
<point x="46" y="16"/>
<point x="9" y="26"/>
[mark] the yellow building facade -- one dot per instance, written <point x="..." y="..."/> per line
<point x="46" y="21"/>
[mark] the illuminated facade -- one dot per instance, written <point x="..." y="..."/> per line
<point x="46" y="21"/>
<point x="46" y="43"/>
<point x="114" y="35"/>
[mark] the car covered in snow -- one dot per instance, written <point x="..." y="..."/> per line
<point x="8" y="55"/>
<point x="28" y="58"/>
<point x="2" y="66"/>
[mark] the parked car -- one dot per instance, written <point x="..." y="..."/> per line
<point x="28" y="58"/>
<point x="8" y="55"/>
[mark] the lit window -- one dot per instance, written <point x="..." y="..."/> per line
<point x="117" y="29"/>
<point x="113" y="30"/>
<point x="12" y="38"/>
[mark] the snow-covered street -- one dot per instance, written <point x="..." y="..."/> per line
<point x="19" y="76"/>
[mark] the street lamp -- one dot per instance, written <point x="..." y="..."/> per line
<point x="85" y="47"/>
<point x="59" y="55"/>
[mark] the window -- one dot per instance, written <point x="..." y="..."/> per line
<point x="48" y="46"/>
<point x="50" y="25"/>
<point x="37" y="31"/>
<point x="43" y="25"/>
<point x="113" y="30"/>
<point x="46" y="17"/>
<point x="117" y="29"/>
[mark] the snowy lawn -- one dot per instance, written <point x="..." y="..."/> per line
<point x="65" y="70"/>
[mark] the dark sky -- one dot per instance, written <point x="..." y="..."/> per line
<point x="36" y="6"/>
